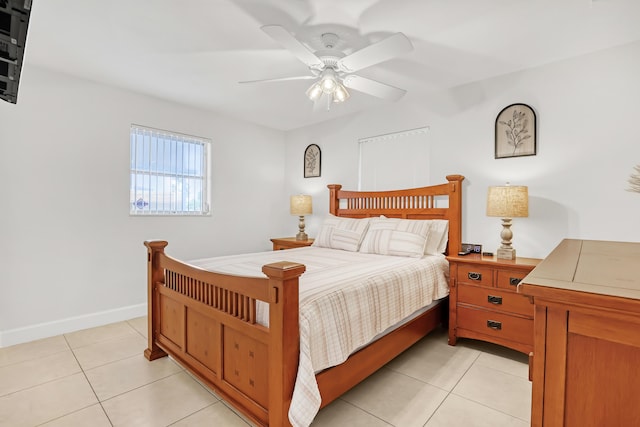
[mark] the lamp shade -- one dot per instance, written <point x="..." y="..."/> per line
<point x="300" y="205"/>
<point x="508" y="201"/>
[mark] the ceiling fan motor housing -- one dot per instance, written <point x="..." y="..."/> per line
<point x="329" y="40"/>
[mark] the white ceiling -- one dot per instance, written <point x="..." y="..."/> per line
<point x="196" y="51"/>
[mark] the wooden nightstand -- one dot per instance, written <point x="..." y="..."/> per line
<point x="289" y="242"/>
<point x="483" y="303"/>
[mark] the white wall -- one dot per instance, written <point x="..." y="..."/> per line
<point x="72" y="257"/>
<point x="588" y="143"/>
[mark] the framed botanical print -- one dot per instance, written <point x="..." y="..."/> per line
<point x="515" y="132"/>
<point x="312" y="159"/>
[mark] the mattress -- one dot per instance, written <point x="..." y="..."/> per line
<point x="347" y="299"/>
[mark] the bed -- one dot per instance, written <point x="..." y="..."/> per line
<point x="210" y="321"/>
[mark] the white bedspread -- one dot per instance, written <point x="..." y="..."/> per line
<point x="346" y="299"/>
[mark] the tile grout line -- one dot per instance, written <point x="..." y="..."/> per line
<point x="363" y="410"/>
<point x="489" y="407"/>
<point x="410" y="377"/>
<point x="88" y="382"/>
<point x="188" y="415"/>
<point x="35" y="358"/>
<point x="41" y="383"/>
<point x="95" y="367"/>
<point x="450" y="392"/>
<point x="480" y="403"/>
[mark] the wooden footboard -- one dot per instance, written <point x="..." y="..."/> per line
<point x="207" y="322"/>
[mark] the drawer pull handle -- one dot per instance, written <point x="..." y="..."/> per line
<point x="494" y="325"/>
<point x="474" y="276"/>
<point x="493" y="299"/>
<point x="513" y="281"/>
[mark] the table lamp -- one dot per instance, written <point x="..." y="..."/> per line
<point x="507" y="202"/>
<point x="300" y="205"/>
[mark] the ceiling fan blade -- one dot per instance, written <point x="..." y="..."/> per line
<point x="388" y="48"/>
<point x="286" y="39"/>
<point x="280" y="79"/>
<point x="372" y="87"/>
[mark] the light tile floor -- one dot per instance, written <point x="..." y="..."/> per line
<point x="99" y="377"/>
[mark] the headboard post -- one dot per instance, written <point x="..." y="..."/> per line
<point x="455" y="208"/>
<point x="334" y="201"/>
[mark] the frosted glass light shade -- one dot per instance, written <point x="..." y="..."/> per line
<point x="328" y="81"/>
<point x="300" y="205"/>
<point x="508" y="201"/>
<point x="314" y="92"/>
<point x="340" y="94"/>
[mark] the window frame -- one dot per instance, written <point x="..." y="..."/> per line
<point x="175" y="173"/>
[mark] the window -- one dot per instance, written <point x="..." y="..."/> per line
<point x="395" y="160"/>
<point x="169" y="173"/>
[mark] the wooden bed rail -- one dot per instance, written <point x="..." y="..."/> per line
<point x="207" y="321"/>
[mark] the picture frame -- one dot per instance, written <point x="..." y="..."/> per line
<point x="312" y="161"/>
<point x="515" y="132"/>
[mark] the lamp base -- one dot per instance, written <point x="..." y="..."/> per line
<point x="301" y="234"/>
<point x="506" y="253"/>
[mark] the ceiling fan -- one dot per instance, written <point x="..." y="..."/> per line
<point x="333" y="71"/>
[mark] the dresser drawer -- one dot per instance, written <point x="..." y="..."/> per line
<point x="509" y="279"/>
<point x="496" y="324"/>
<point x="495" y="299"/>
<point x="476" y="274"/>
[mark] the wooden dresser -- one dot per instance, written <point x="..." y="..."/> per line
<point x="280" y="243"/>
<point x="586" y="357"/>
<point x="483" y="303"/>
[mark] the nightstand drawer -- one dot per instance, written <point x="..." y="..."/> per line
<point x="495" y="299"/>
<point x="475" y="274"/>
<point x="495" y="324"/>
<point x="509" y="279"/>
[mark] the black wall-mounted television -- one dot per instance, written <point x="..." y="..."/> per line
<point x="14" y="21"/>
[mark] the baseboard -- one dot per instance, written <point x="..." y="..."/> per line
<point x="71" y="324"/>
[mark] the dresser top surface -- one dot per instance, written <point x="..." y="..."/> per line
<point x="594" y="266"/>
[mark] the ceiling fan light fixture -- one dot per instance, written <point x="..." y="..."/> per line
<point x="329" y="82"/>
<point x="341" y="94"/>
<point x="315" y="91"/>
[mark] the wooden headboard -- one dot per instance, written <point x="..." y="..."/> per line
<point x="413" y="203"/>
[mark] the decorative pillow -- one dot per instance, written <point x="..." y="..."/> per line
<point x="438" y="237"/>
<point x="342" y="233"/>
<point x="395" y="236"/>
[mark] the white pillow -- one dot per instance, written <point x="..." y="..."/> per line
<point x="395" y="236"/>
<point x="342" y="233"/>
<point x="438" y="237"/>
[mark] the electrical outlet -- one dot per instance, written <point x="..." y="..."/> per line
<point x="471" y="248"/>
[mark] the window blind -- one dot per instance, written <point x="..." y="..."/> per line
<point x="169" y="173"/>
<point x="394" y="161"/>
